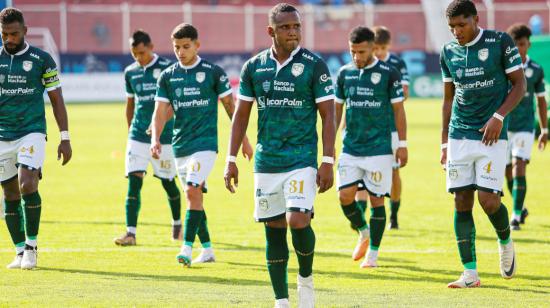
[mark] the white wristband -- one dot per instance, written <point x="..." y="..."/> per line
<point x="65" y="135"/>
<point x="544" y="131"/>
<point x="444" y="146"/>
<point x="231" y="159"/>
<point x="498" y="117"/>
<point x="328" y="160"/>
<point x="402" y="144"/>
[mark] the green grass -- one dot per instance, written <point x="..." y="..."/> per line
<point x="83" y="210"/>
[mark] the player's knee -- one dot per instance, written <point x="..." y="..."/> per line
<point x="464" y="200"/>
<point x="346" y="197"/>
<point x="298" y="220"/>
<point x="490" y="202"/>
<point x="194" y="196"/>
<point x="28" y="184"/>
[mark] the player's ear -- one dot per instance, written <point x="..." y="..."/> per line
<point x="197" y="44"/>
<point x="271" y="31"/>
<point x="476" y="19"/>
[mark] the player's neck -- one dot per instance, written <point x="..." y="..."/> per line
<point x="280" y="54"/>
<point x="18" y="49"/>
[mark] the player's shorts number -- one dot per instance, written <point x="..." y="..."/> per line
<point x="487" y="167"/>
<point x="296" y="187"/>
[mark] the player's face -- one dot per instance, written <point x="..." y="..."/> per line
<point x="523" y="45"/>
<point x="13" y="36"/>
<point x="287" y="31"/>
<point x="362" y="53"/>
<point x="463" y="29"/>
<point x="143" y="54"/>
<point x="186" y="50"/>
<point x="381" y="51"/>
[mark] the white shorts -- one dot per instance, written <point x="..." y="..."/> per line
<point x="278" y="193"/>
<point x="520" y="145"/>
<point x="473" y="165"/>
<point x="194" y="169"/>
<point x="28" y="151"/>
<point x="375" y="172"/>
<point x="394" y="146"/>
<point x="138" y="157"/>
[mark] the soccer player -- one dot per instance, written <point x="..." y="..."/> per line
<point x="141" y="81"/>
<point x="521" y="125"/>
<point x="25" y="72"/>
<point x="188" y="91"/>
<point x="373" y="96"/>
<point x="290" y="85"/>
<point x="476" y="69"/>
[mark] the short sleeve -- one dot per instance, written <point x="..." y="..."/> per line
<point x="445" y="72"/>
<point x="540" y="90"/>
<point x="222" y="85"/>
<point x="340" y="93"/>
<point x="405" y="79"/>
<point x="50" y="74"/>
<point x="511" y="60"/>
<point x="246" y="86"/>
<point x="129" y="90"/>
<point x="395" y="86"/>
<point x="162" y="88"/>
<point x="323" y="89"/>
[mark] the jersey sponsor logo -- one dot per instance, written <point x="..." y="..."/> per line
<point x="324" y="78"/>
<point x="266" y="85"/>
<point x="206" y="65"/>
<point x="35" y="56"/>
<point x="2" y="78"/>
<point x="490" y="40"/>
<point x="283" y="86"/>
<point x="456" y="59"/>
<point x="297" y="69"/>
<point x="470" y="72"/>
<point x="18" y="91"/>
<point x="3" y="65"/>
<point x="261" y="102"/>
<point x="145" y="98"/>
<point x="138" y="76"/>
<point x="156" y="73"/>
<point x="375" y="78"/>
<point x="223" y="78"/>
<point x="483" y="54"/>
<point x="265" y="69"/>
<point x="459" y="73"/>
<point x="363" y="104"/>
<point x="529" y="72"/>
<point x="384" y="67"/>
<point x="176" y="79"/>
<point x="305" y="55"/>
<point x="190" y="104"/>
<point x="365" y="91"/>
<point x="148" y="86"/>
<point x="285" y="102"/>
<point x="191" y="91"/>
<point x="27" y="66"/>
<point x="351" y="77"/>
<point x="514" y="57"/>
<point x="200" y="76"/>
<point x="477" y="85"/>
<point x="509" y="50"/>
<point x="329" y="88"/>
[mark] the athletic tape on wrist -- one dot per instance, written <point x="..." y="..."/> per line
<point x="498" y="117"/>
<point x="328" y="160"/>
<point x="402" y="144"/>
<point x="65" y="135"/>
<point x="231" y="159"/>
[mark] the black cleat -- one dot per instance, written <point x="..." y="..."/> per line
<point x="524" y="214"/>
<point x="514" y="225"/>
<point x="393" y="224"/>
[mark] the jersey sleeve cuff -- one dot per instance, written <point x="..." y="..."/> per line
<point x="447" y="79"/>
<point x="541" y="94"/>
<point x="512" y="69"/>
<point x="53" y="88"/>
<point x="397" y="100"/>
<point x="404" y="82"/>
<point x="324" y="98"/>
<point x="338" y="100"/>
<point x="129" y="94"/>
<point x="226" y="93"/>
<point x="161" y="99"/>
<point x="245" y="98"/>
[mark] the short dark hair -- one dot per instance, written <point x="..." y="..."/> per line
<point x="361" y="34"/>
<point x="140" y="37"/>
<point x="10" y="15"/>
<point x="185" y="30"/>
<point x="465" y="8"/>
<point x="518" y="31"/>
<point x="382" y="35"/>
<point x="280" y="8"/>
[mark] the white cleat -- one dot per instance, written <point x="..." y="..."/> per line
<point x="206" y="256"/>
<point x="362" y="245"/>
<point x="16" y="263"/>
<point x="371" y="260"/>
<point x="282" y="303"/>
<point x="468" y="279"/>
<point x="306" y="293"/>
<point x="185" y="255"/>
<point x="508" y="264"/>
<point x="29" y="259"/>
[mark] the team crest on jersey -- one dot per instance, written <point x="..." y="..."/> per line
<point x="156" y="73"/>
<point x="529" y="72"/>
<point x="138" y="88"/>
<point x="483" y="54"/>
<point x="200" y="76"/>
<point x="27" y="65"/>
<point x="2" y="78"/>
<point x="351" y="91"/>
<point x="375" y="78"/>
<point x="266" y="85"/>
<point x="459" y="73"/>
<point x="178" y="92"/>
<point x="297" y="69"/>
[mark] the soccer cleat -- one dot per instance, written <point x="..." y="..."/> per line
<point x="508" y="264"/>
<point x="177" y="233"/>
<point x="362" y="244"/>
<point x="393" y="224"/>
<point x="206" y="256"/>
<point x="514" y="225"/>
<point x="30" y="256"/>
<point x="306" y="294"/>
<point x="524" y="214"/>
<point x="127" y="239"/>
<point x="282" y="303"/>
<point x="16" y="263"/>
<point x="468" y="279"/>
<point x="185" y="256"/>
<point x="370" y="260"/>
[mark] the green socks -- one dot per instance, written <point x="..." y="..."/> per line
<point x="193" y="219"/>
<point x="202" y="232"/>
<point x="303" y="241"/>
<point x="377" y="226"/>
<point x="465" y="231"/>
<point x="518" y="193"/>
<point x="500" y="222"/>
<point x="33" y="206"/>
<point x="173" y="198"/>
<point x="15" y="221"/>
<point x="355" y="215"/>
<point x="362" y="204"/>
<point x="510" y="185"/>
<point x="394" y="207"/>
<point x="133" y="200"/>
<point x="276" y="254"/>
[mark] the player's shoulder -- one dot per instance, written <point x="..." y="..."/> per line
<point x="38" y="53"/>
<point x="309" y="56"/>
<point x="384" y="66"/>
<point x="346" y="69"/>
<point x="534" y="64"/>
<point x="495" y="37"/>
<point x="132" y="67"/>
<point x="169" y="70"/>
<point x="209" y="66"/>
<point x="164" y="62"/>
<point x="395" y="59"/>
<point x="259" y="59"/>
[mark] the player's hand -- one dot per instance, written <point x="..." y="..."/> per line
<point x="231" y="173"/>
<point x="247" y="149"/>
<point x="402" y="156"/>
<point x="325" y="177"/>
<point x="156" y="149"/>
<point x="443" y="159"/>
<point x="491" y="131"/>
<point x="64" y="149"/>
<point x="543" y="139"/>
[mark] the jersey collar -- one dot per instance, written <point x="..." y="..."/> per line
<point x="192" y="65"/>
<point x="155" y="59"/>
<point x="474" y="41"/>
<point x="20" y="52"/>
<point x="368" y="67"/>
<point x="280" y="66"/>
<point x="526" y="64"/>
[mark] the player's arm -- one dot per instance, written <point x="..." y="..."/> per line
<point x="448" y="96"/>
<point x="543" y="121"/>
<point x="340" y="123"/>
<point x="163" y="112"/>
<point x="60" y="113"/>
<point x="238" y="132"/>
<point x="130" y="106"/>
<point x="340" y="99"/>
<point x="229" y="106"/>
<point x="325" y="174"/>
<point x="395" y="88"/>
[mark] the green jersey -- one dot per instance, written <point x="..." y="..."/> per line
<point x="286" y="97"/>
<point x="368" y="94"/>
<point x="522" y="118"/>
<point x="478" y="71"/>
<point x="141" y="84"/>
<point x="23" y="78"/>
<point x="193" y="93"/>
<point x="400" y="65"/>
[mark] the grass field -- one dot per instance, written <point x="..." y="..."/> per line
<point x="83" y="210"/>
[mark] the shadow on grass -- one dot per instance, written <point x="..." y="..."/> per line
<point x="516" y="240"/>
<point x="118" y="223"/>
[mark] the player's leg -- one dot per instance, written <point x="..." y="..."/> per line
<point x="14" y="217"/>
<point x="395" y="198"/>
<point x="509" y="167"/>
<point x="377" y="225"/>
<point x="362" y="197"/>
<point x="521" y="153"/>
